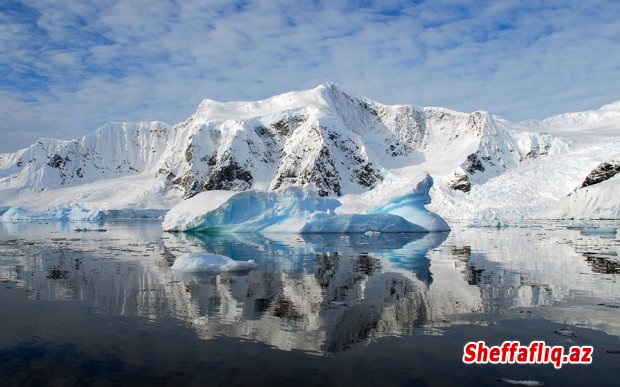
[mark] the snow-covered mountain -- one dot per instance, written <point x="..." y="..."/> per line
<point x="340" y="143"/>
<point x="114" y="150"/>
<point x="358" y="150"/>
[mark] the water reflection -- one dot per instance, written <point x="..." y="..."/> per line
<point x="322" y="293"/>
<point x="319" y="293"/>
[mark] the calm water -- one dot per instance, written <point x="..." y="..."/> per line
<point x="104" y="308"/>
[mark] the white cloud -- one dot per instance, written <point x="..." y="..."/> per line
<point x="68" y="68"/>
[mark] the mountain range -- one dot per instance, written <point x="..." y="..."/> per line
<point x="483" y="167"/>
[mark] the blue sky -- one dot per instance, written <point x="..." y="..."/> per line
<point x="67" y="67"/>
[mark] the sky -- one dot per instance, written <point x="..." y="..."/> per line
<point x="67" y="67"/>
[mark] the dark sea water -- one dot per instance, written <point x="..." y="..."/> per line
<point x="104" y="307"/>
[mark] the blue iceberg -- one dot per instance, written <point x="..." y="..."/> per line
<point x="301" y="210"/>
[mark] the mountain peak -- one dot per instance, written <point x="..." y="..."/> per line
<point x="320" y="97"/>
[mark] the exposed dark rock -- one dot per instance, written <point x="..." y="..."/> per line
<point x="473" y="164"/>
<point x="532" y="153"/>
<point x="57" y="161"/>
<point x="288" y="125"/>
<point x="261" y="130"/>
<point x="322" y="173"/>
<point x="272" y="144"/>
<point x="367" y="176"/>
<point x="189" y="153"/>
<point x="363" y="171"/>
<point x="188" y="183"/>
<point x="604" y="171"/>
<point x="536" y="151"/>
<point x="212" y="160"/>
<point x="165" y="171"/>
<point x="229" y="176"/>
<point x="328" y="179"/>
<point x="366" y="106"/>
<point x="460" y="183"/>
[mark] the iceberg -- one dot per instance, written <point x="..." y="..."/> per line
<point x="302" y="210"/>
<point x="249" y="211"/>
<point x="196" y="262"/>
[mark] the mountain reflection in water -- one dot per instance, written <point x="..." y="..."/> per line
<point x="320" y="293"/>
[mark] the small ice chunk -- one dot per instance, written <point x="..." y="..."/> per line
<point x="194" y="262"/>
<point x="565" y="332"/>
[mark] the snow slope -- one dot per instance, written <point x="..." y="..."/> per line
<point x="365" y="153"/>
<point x="599" y="201"/>
<point x="111" y="169"/>
<point x="533" y="188"/>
